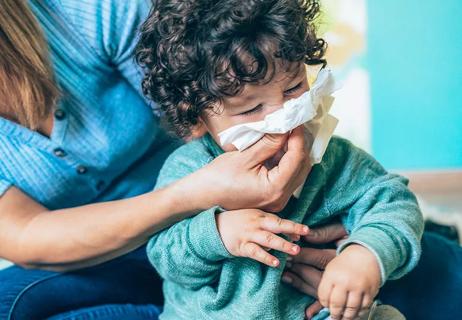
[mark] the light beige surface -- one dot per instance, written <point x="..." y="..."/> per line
<point x="439" y="194"/>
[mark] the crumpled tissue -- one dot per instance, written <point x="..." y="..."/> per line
<point x="311" y="109"/>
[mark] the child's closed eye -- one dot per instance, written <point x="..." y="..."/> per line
<point x="252" y="111"/>
<point x="293" y="89"/>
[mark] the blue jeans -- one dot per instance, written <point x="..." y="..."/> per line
<point x="124" y="288"/>
<point x="128" y="288"/>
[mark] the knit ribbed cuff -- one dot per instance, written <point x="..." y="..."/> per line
<point x="205" y="238"/>
<point x="380" y="244"/>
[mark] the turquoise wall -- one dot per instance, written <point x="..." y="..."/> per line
<point x="415" y="61"/>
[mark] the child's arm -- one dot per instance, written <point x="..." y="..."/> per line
<point x="379" y="211"/>
<point x="381" y="214"/>
<point x="191" y="252"/>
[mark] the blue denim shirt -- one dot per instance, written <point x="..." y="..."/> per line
<point x="106" y="143"/>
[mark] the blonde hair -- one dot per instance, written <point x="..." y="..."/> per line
<point x="28" y="91"/>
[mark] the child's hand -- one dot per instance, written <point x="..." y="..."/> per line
<point x="250" y="232"/>
<point x="350" y="282"/>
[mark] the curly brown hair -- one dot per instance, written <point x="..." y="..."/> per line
<point x="195" y="52"/>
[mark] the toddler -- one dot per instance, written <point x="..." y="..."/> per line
<point x="214" y="64"/>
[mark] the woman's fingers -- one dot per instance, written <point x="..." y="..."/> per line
<point x="299" y="284"/>
<point x="318" y="258"/>
<point x="272" y="241"/>
<point x="311" y="276"/>
<point x="264" y="149"/>
<point x="313" y="309"/>
<point x="293" y="237"/>
<point x="276" y="224"/>
<point x="326" y="234"/>
<point x="294" y="165"/>
<point x="254" y="251"/>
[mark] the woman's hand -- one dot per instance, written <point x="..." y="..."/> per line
<point x="250" y="232"/>
<point x="239" y="180"/>
<point x="304" y="271"/>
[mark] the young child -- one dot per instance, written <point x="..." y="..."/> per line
<point x="215" y="64"/>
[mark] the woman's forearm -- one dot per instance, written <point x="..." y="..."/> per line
<point x="33" y="236"/>
<point x="88" y="235"/>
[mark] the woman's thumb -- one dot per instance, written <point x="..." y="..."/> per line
<point x="265" y="148"/>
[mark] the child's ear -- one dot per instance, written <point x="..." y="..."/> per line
<point x="199" y="129"/>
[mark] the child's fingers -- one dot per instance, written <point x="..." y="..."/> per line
<point x="275" y="224"/>
<point x="293" y="237"/>
<point x="366" y="301"/>
<point x="272" y="241"/>
<point x="337" y="302"/>
<point x="324" y="290"/>
<point x="353" y="306"/>
<point x="254" y="251"/>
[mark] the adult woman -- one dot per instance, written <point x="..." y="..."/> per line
<point x="76" y="136"/>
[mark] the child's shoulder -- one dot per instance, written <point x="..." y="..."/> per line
<point x="193" y="154"/>
<point x="339" y="148"/>
<point x="343" y="153"/>
<point x="185" y="160"/>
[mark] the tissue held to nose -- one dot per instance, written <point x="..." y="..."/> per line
<point x="310" y="109"/>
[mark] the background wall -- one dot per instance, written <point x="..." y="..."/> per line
<point x="414" y="59"/>
<point x="402" y="93"/>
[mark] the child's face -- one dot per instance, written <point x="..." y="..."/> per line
<point x="256" y="101"/>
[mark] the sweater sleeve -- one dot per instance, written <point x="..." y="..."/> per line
<point x="380" y="212"/>
<point x="189" y="252"/>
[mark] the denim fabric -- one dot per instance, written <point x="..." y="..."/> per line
<point x="433" y="290"/>
<point x="127" y="284"/>
<point x="112" y="312"/>
<point x="106" y="142"/>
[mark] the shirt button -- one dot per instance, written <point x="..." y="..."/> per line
<point x="100" y="185"/>
<point x="60" y="114"/>
<point x="81" y="169"/>
<point x="59" y="152"/>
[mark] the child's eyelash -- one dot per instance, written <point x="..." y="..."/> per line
<point x="293" y="89"/>
<point x="251" y="111"/>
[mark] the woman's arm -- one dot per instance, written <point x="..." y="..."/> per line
<point x="33" y="236"/>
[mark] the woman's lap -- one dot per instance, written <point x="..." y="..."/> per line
<point x="433" y="290"/>
<point x="130" y="285"/>
<point x="111" y="312"/>
<point x="37" y="294"/>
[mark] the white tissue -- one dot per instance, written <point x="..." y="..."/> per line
<point x="310" y="109"/>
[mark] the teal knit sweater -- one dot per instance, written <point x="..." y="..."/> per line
<point x="203" y="281"/>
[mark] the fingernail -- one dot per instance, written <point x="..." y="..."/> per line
<point x="275" y="262"/>
<point x="305" y="229"/>
<point x="286" y="279"/>
<point x="295" y="249"/>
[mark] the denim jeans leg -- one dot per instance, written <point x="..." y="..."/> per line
<point x="433" y="290"/>
<point x="112" y="312"/>
<point x="36" y="294"/>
